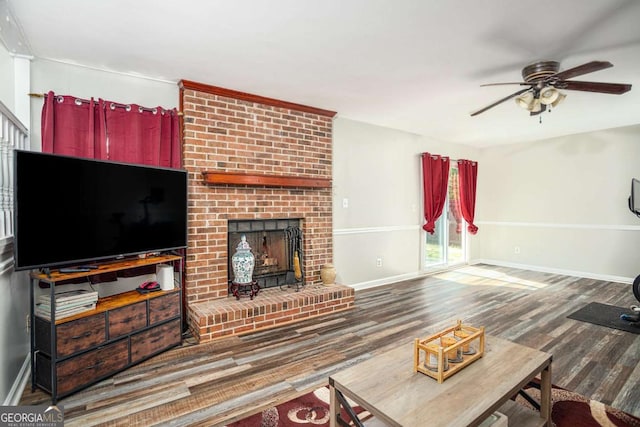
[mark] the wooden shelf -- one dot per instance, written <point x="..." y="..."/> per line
<point x="239" y="178"/>
<point x="520" y="416"/>
<point x="115" y="301"/>
<point x="107" y="267"/>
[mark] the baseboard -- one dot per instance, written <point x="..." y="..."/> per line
<point x="15" y="393"/>
<point x="385" y="281"/>
<point x="585" y="274"/>
<point x="400" y="278"/>
<point x="420" y="274"/>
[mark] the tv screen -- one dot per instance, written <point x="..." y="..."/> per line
<point x="71" y="210"/>
<point x="634" y="198"/>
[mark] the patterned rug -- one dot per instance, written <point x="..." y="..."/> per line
<point x="312" y="409"/>
<point x="568" y="410"/>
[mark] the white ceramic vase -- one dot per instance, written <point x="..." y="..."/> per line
<point x="243" y="263"/>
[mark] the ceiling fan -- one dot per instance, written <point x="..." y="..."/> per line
<point x="543" y="81"/>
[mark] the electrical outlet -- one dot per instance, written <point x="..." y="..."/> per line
<point x="345" y="203"/>
<point x="516" y="250"/>
<point x="379" y="262"/>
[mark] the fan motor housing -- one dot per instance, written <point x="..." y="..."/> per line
<point x="540" y="70"/>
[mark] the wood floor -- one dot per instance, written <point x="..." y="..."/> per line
<point x="209" y="384"/>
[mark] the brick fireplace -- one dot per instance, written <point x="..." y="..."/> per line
<point x="273" y="242"/>
<point x="254" y="158"/>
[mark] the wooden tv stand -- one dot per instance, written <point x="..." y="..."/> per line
<point x="124" y="329"/>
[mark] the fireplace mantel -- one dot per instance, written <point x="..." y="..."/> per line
<point x="239" y="178"/>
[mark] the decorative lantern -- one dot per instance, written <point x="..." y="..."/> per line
<point x="243" y="262"/>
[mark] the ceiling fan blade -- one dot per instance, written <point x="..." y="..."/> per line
<point x="589" y="67"/>
<point x="506" y="98"/>
<point x="611" y="88"/>
<point x="510" y="83"/>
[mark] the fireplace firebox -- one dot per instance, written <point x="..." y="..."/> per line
<point x="277" y="247"/>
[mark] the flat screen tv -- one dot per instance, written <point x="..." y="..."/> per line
<point x="71" y="210"/>
<point x="634" y="198"/>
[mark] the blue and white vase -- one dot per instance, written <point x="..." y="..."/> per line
<point x="243" y="262"/>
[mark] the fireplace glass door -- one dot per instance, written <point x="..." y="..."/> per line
<point x="271" y="243"/>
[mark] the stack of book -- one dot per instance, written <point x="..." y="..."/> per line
<point x="67" y="303"/>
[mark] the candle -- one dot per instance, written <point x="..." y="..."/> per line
<point x="453" y="355"/>
<point x="431" y="361"/>
<point x="466" y="348"/>
<point x="462" y="335"/>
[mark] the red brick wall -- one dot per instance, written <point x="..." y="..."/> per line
<point x="247" y="133"/>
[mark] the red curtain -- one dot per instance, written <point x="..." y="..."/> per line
<point x="435" y="176"/>
<point x="73" y="127"/>
<point x="467" y="178"/>
<point x="148" y="136"/>
<point x="108" y="130"/>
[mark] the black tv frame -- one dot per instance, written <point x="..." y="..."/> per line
<point x="100" y="175"/>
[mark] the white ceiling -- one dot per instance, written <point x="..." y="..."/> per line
<point x="414" y="65"/>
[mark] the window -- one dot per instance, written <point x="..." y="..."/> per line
<point x="447" y="245"/>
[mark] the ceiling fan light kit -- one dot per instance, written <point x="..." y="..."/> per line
<point x="537" y="102"/>
<point x="525" y="100"/>
<point x="548" y="95"/>
<point x="537" y="107"/>
<point x="543" y="79"/>
<point x="561" y="97"/>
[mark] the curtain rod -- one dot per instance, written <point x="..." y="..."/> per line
<point x="450" y="159"/>
<point x="112" y="104"/>
<point x="439" y="155"/>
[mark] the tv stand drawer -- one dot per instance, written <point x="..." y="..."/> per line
<point x="127" y="319"/>
<point x="85" y="369"/>
<point x="72" y="337"/>
<point x="152" y="341"/>
<point x="164" y="308"/>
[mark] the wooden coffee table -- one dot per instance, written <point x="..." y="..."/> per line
<point x="387" y="386"/>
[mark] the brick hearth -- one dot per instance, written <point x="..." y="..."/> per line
<point x="271" y="307"/>
<point x="226" y="132"/>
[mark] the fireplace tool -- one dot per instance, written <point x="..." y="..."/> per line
<point x="295" y="275"/>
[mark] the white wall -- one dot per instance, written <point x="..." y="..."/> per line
<point x="378" y="171"/>
<point x="563" y="203"/>
<point x="6" y="82"/>
<point x="14" y="335"/>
